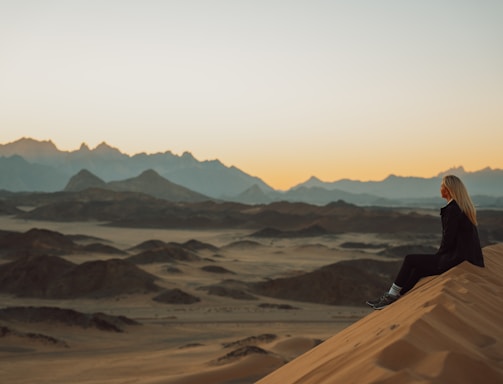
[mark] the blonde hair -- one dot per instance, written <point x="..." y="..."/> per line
<point x="459" y="193"/>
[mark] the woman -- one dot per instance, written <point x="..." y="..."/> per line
<point x="460" y="242"/>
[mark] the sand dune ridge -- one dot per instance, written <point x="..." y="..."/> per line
<point x="447" y="330"/>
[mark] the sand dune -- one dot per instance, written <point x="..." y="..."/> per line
<point x="447" y="330"/>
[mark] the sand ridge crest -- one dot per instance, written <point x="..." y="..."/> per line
<point x="446" y="330"/>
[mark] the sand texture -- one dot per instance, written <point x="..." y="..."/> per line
<point x="447" y="330"/>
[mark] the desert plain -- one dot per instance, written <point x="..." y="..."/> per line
<point x="214" y="338"/>
<point x="230" y="313"/>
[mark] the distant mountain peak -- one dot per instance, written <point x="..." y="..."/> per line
<point x="31" y="141"/>
<point x="313" y="181"/>
<point x="188" y="156"/>
<point x="49" y="169"/>
<point x="84" y="180"/>
<point x="84" y="148"/>
<point x="29" y="148"/>
<point x="456" y="170"/>
<point x="104" y="147"/>
<point x="151" y="183"/>
<point x="150" y="174"/>
<point x="253" y="195"/>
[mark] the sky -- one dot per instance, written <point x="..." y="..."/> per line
<point x="281" y="89"/>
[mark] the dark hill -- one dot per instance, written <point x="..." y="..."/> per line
<point x="35" y="242"/>
<point x="68" y="317"/>
<point x="164" y="254"/>
<point x="103" y="206"/>
<point x="7" y="208"/>
<point x="40" y="199"/>
<point x="102" y="278"/>
<point x="41" y="166"/>
<point x="252" y="195"/>
<point x="45" y="242"/>
<point x="333" y="284"/>
<point x="151" y="183"/>
<point x="129" y="209"/>
<point x="32" y="276"/>
<point x="176" y="296"/>
<point x="243" y="244"/>
<point x="53" y="277"/>
<point x="17" y="174"/>
<point x="148" y="182"/>
<point x="196" y="245"/>
<point x="149" y="245"/>
<point x="84" y="180"/>
<point x="103" y="248"/>
<point x="191" y="245"/>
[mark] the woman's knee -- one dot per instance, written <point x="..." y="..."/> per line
<point x="419" y="260"/>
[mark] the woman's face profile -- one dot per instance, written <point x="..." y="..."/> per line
<point x="444" y="192"/>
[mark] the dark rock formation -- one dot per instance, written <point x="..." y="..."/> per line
<point x="252" y="340"/>
<point x="35" y="337"/>
<point x="102" y="278"/>
<point x="67" y="317"/>
<point x="240" y="353"/>
<point x="229" y="292"/>
<point x="176" y="296"/>
<point x="333" y="284"/>
<point x="35" y="242"/>
<point x="164" y="254"/>
<point x="53" y="277"/>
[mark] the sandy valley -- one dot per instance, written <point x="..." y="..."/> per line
<point x="223" y="338"/>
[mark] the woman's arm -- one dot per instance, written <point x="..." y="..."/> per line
<point x="451" y="219"/>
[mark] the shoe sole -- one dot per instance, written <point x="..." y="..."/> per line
<point x="384" y="306"/>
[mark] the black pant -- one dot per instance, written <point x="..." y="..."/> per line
<point x="414" y="268"/>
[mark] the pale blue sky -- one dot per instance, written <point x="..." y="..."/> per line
<point x="281" y="89"/>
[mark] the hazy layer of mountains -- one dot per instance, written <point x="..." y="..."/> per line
<point x="31" y="165"/>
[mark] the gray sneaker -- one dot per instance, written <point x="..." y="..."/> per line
<point x="383" y="301"/>
<point x="373" y="302"/>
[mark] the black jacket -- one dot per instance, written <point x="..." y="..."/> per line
<point x="460" y="239"/>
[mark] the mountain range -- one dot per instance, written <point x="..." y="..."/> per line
<point x="30" y="165"/>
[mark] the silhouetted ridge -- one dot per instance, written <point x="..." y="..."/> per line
<point x="103" y="278"/>
<point x="176" y="296"/>
<point x="152" y="183"/>
<point x="196" y="245"/>
<point x="53" y="277"/>
<point x="30" y="336"/>
<point x="32" y="276"/>
<point x="84" y="180"/>
<point x="36" y="242"/>
<point x="163" y="254"/>
<point x="333" y="284"/>
<point x="68" y="317"/>
<point x="31" y="165"/>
